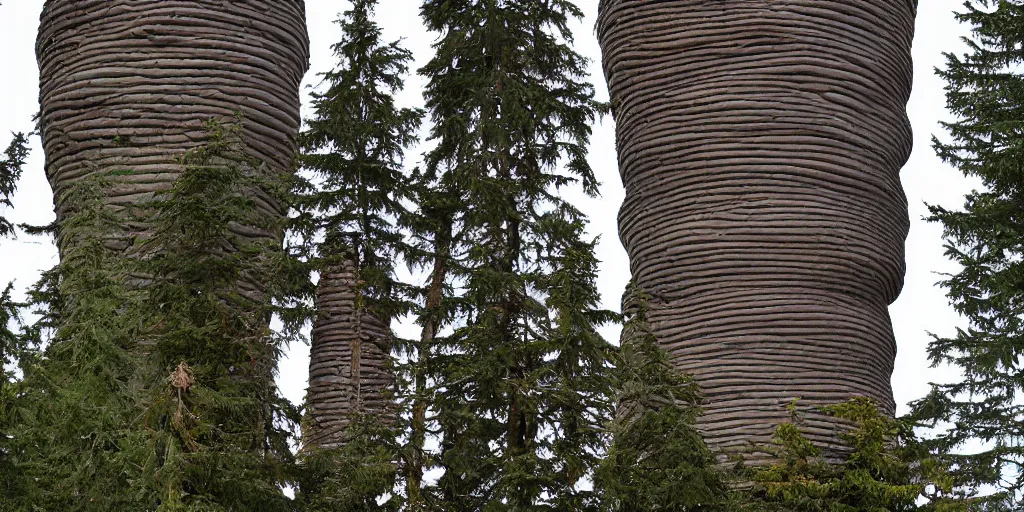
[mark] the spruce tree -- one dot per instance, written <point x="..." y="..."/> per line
<point x="657" y="460"/>
<point x="155" y="388"/>
<point x="10" y="172"/>
<point x="979" y="417"/>
<point x="352" y="210"/>
<point x="217" y="431"/>
<point x="77" y="448"/>
<point x="887" y="469"/>
<point x="433" y="234"/>
<point x="11" y="346"/>
<point x="523" y="382"/>
<point x="354" y="147"/>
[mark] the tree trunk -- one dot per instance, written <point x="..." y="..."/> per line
<point x="430" y="321"/>
<point x="128" y="85"/>
<point x="348" y="371"/>
<point x="760" y="143"/>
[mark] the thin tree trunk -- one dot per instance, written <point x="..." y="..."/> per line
<point x="760" y="143"/>
<point x="517" y="427"/>
<point x="430" y="327"/>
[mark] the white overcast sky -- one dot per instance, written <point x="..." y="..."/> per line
<point x="921" y="308"/>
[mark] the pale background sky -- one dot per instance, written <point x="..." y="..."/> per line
<point x="921" y="308"/>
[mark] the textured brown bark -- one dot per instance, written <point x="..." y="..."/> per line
<point x="348" y="359"/>
<point x="760" y="143"/>
<point x="127" y="85"/>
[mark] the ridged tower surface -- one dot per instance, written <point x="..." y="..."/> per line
<point x="760" y="144"/>
<point x="127" y="85"/>
<point x="348" y="372"/>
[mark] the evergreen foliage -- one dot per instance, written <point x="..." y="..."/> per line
<point x="74" y="441"/>
<point x="217" y="430"/>
<point x="12" y="349"/>
<point x="980" y="418"/>
<point x="146" y="380"/>
<point x="887" y="469"/>
<point x="523" y="382"/>
<point x="361" y="475"/>
<point x="10" y="484"/>
<point x="434" y="236"/>
<point x="10" y="172"/>
<point x="155" y="389"/>
<point x="658" y="460"/>
<point x="354" y="207"/>
<point x="354" y="146"/>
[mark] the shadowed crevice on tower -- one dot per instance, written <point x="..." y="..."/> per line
<point x="760" y="144"/>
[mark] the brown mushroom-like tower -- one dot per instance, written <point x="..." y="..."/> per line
<point x="348" y="371"/>
<point x="127" y="85"/>
<point x="760" y="144"/>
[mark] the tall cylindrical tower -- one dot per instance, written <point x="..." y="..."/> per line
<point x="348" y="360"/>
<point x="760" y="144"/>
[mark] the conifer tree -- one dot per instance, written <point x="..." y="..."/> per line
<point x="10" y="341"/>
<point x="352" y="210"/>
<point x="438" y="234"/>
<point x="980" y="416"/>
<point x="155" y="390"/>
<point x="433" y="235"/>
<point x="10" y="171"/>
<point x="887" y="469"/>
<point x="354" y="146"/>
<point x="523" y="382"/>
<point x="657" y="460"/>
<point x="75" y="440"/>
<point x="9" y="348"/>
<point x="361" y="474"/>
<point x="217" y="431"/>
